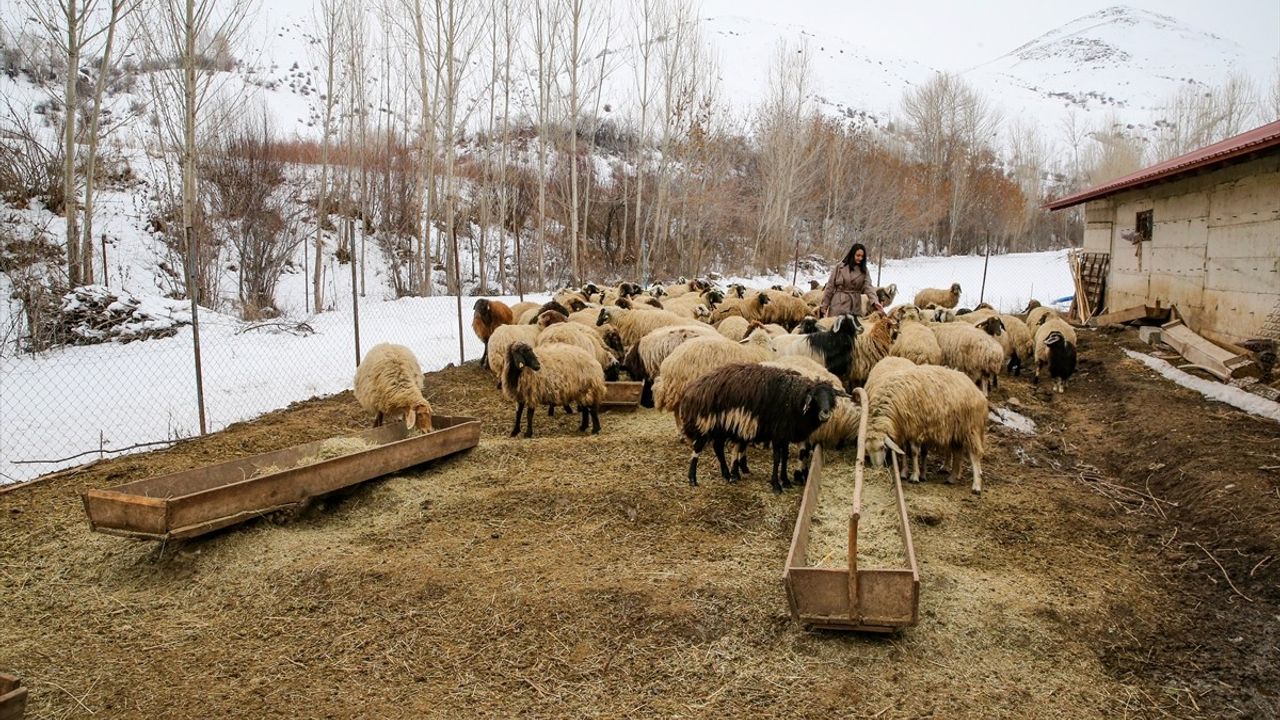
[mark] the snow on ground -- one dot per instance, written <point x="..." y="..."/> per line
<point x="1012" y="420"/>
<point x="1232" y="396"/>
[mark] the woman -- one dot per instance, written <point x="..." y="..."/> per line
<point x="848" y="284"/>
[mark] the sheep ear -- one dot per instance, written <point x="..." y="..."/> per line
<point x="808" y="403"/>
<point x="410" y="418"/>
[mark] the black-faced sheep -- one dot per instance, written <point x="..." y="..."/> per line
<point x="698" y="356"/>
<point x="749" y="403"/>
<point x="929" y="407"/>
<point x="644" y="360"/>
<point x="502" y="339"/>
<point x="556" y="375"/>
<point x="842" y="428"/>
<point x="806" y="326"/>
<point x="530" y="316"/>
<point x="1055" y="342"/>
<point x="832" y="349"/>
<point x="389" y="382"/>
<point x="488" y="316"/>
<point x="936" y="296"/>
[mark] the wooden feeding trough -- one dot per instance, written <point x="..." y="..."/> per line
<point x="13" y="698"/>
<point x="872" y="599"/>
<point x="622" y="394"/>
<point x="195" y="502"/>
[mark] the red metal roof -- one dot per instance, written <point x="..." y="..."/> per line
<point x="1259" y="138"/>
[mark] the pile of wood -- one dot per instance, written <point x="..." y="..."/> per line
<point x="93" y="314"/>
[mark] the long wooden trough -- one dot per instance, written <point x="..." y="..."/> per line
<point x="195" y="502"/>
<point x="870" y="599"/>
<point x="13" y="698"/>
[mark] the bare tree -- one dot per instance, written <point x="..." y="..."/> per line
<point x="546" y="28"/>
<point x="1197" y="116"/>
<point x="650" y="25"/>
<point x="783" y="141"/>
<point x="328" y="23"/>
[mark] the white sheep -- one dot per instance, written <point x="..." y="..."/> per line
<point x="929" y="407"/>
<point x="695" y="357"/>
<point x="389" y="382"/>
<point x="971" y="351"/>
<point x="916" y="342"/>
<point x="734" y="327"/>
<point x="1021" y="343"/>
<point x="578" y="335"/>
<point x="1038" y="314"/>
<point x="937" y="296"/>
<point x="634" y="323"/>
<point x="503" y="338"/>
<point x="555" y="375"/>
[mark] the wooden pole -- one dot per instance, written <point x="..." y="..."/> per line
<point x="795" y="268"/>
<point x="355" y="296"/>
<point x="879" y="264"/>
<point x="192" y="254"/>
<point x="104" y="259"/>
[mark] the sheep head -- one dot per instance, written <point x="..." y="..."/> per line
<point x="548" y="318"/>
<point x="576" y="304"/>
<point x="1054" y="338"/>
<point x="993" y="326"/>
<point x="418" y="416"/>
<point x="521" y="356"/>
<point x="713" y="298"/>
<point x="702" y="312"/>
<point x="613" y="340"/>
<point x="763" y="299"/>
<point x="819" y="401"/>
<point x="815" y="285"/>
<point x="810" y="325"/>
<point x="955" y="289"/>
<point x="604" y="317"/>
<point x="590" y="289"/>
<point x="657" y="290"/>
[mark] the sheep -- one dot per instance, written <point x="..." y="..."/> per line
<point x="519" y="310"/>
<point x="1055" y="343"/>
<point x="872" y="346"/>
<point x="530" y="316"/>
<point x="775" y="330"/>
<point x="749" y="403"/>
<point x="700" y="355"/>
<point x="1021" y="343"/>
<point x="806" y="326"/>
<point x="940" y="314"/>
<point x="644" y="360"/>
<point x="502" y="339"/>
<point x="699" y="311"/>
<point x="883" y="370"/>
<point x="942" y="298"/>
<point x="734" y="327"/>
<point x="685" y="287"/>
<point x="833" y="349"/>
<point x="971" y="351"/>
<point x="751" y="308"/>
<point x="567" y="297"/>
<point x="813" y="296"/>
<point x="548" y="318"/>
<point x="1038" y="315"/>
<point x="488" y="315"/>
<point x="843" y="425"/>
<point x="886" y="294"/>
<point x="586" y="317"/>
<point x="917" y="343"/>
<point x="557" y="374"/>
<point x="899" y="313"/>
<point x="929" y="406"/>
<point x="389" y="381"/>
<point x="783" y="309"/>
<point x="583" y="337"/>
<point x="977" y="315"/>
<point x="634" y="324"/>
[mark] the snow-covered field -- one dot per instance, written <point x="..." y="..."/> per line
<point x="112" y="395"/>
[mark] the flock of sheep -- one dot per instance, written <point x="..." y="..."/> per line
<point x="741" y="366"/>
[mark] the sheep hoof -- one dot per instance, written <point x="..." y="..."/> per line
<point x="977" y="491"/>
<point x="514" y="433"/>
<point x="799" y="478"/>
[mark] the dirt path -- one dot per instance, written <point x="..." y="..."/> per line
<point x="577" y="576"/>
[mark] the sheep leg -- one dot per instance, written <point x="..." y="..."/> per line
<point x="515" y="430"/>
<point x="955" y="465"/>
<point x="595" y="419"/>
<point x="742" y="459"/>
<point x="646" y="393"/>
<point x="786" y="455"/>
<point x="586" y="414"/>
<point x="698" y="445"/>
<point x="377" y="420"/>
<point x="976" y="462"/>
<point x="718" y="444"/>
<point x="528" y="414"/>
<point x="551" y="411"/>
<point x="802" y="472"/>
<point x="986" y="390"/>
<point x="779" y="464"/>
<point x="917" y="453"/>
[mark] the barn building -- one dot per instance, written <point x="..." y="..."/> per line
<point x="1200" y="232"/>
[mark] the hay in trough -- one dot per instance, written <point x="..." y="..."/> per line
<point x="879" y="541"/>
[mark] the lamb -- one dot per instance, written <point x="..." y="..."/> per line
<point x="583" y="337"/>
<point x="502" y="339"/>
<point x="556" y="374"/>
<point x="1055" y="343"/>
<point x="917" y="343"/>
<point x="937" y="296"/>
<point x="488" y="315"/>
<point x="929" y="407"/>
<point x="695" y="357"/>
<point x="644" y="360"/>
<point x="749" y="403"/>
<point x="971" y="351"/>
<point x="872" y="346"/>
<point x="389" y="381"/>
<point x="634" y="324"/>
<point x="833" y="349"/>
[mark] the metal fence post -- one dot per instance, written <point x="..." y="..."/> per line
<point x="880" y="264"/>
<point x="192" y="254"/>
<point x="519" y="270"/>
<point x="355" y="296"/>
<point x="457" y="283"/>
<point x="983" y="292"/>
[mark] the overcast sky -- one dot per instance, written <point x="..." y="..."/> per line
<point x="955" y="36"/>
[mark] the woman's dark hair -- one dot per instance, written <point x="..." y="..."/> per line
<point x="853" y="251"/>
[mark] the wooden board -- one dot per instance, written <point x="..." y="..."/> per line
<point x="622" y="394"/>
<point x="1138" y="312"/>
<point x="1222" y="363"/>
<point x="198" y="501"/>
<point x="13" y="698"/>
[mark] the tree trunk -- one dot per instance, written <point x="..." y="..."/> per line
<point x="70" y="205"/>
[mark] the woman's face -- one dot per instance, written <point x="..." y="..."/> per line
<point x="858" y="255"/>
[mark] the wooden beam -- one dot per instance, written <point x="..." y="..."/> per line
<point x="1223" y="364"/>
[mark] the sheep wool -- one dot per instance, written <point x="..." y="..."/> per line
<point x="389" y="382"/>
<point x="696" y="357"/>
<point x="870" y="348"/>
<point x="555" y="375"/>
<point x="930" y="407"/>
<point x="843" y="425"/>
<point x="971" y="351"/>
<point x="1021" y="343"/>
<point x="916" y="342"/>
<point x="634" y="324"/>
<point x="1060" y="355"/>
<point x="734" y="327"/>
<point x="936" y="296"/>
<point x="503" y="338"/>
<point x="578" y="336"/>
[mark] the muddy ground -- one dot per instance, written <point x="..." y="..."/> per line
<point x="1121" y="563"/>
